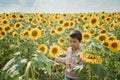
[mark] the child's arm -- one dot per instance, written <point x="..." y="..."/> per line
<point x="60" y="60"/>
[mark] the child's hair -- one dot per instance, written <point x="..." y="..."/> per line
<point x="76" y="34"/>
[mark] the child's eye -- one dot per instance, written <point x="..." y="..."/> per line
<point x="70" y="41"/>
<point x="74" y="41"/>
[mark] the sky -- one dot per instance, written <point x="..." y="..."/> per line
<point x="59" y="6"/>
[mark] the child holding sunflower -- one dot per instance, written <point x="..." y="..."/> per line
<point x="72" y="52"/>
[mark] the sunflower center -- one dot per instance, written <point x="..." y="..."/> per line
<point x="71" y="24"/>
<point x="105" y="44"/>
<point x="5" y="22"/>
<point x="55" y="50"/>
<point x="15" y="35"/>
<point x="13" y="16"/>
<point x="59" y="29"/>
<point x="66" y="24"/>
<point x="3" y="33"/>
<point x="93" y="21"/>
<point x="61" y="40"/>
<point x="114" y="45"/>
<point x="86" y="36"/>
<point x="7" y="28"/>
<point x="108" y="19"/>
<point x="61" y="21"/>
<point x="103" y="31"/>
<point x="103" y="17"/>
<point x="17" y="25"/>
<point x="102" y="38"/>
<point x="26" y="33"/>
<point x="34" y="33"/>
<point x="42" y="49"/>
<point x="111" y="38"/>
<point x="21" y="16"/>
<point x="1" y="28"/>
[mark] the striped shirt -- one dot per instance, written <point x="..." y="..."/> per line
<point x="71" y="62"/>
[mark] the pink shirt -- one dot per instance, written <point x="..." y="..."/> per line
<point x="71" y="62"/>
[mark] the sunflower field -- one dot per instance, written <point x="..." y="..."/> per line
<point x="29" y="43"/>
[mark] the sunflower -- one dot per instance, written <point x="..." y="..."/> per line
<point x="21" y="17"/>
<point x="8" y="29"/>
<point x="107" y="19"/>
<point x="64" y="50"/>
<point x="90" y="58"/>
<point x="55" y="51"/>
<point x="92" y="32"/>
<point x="51" y="23"/>
<point x="15" y="34"/>
<point x="43" y="48"/>
<point x="5" y="22"/>
<point x="34" y="33"/>
<point x="44" y="21"/>
<point x="93" y="22"/>
<point x="79" y="20"/>
<point x="103" y="31"/>
<point x="1" y="28"/>
<point x="40" y="28"/>
<point x="102" y="37"/>
<point x="72" y="24"/>
<point x="112" y="38"/>
<point x="13" y="16"/>
<point x="105" y="43"/>
<point x="60" y="30"/>
<point x="34" y="21"/>
<point x="17" y="25"/>
<point x="85" y="18"/>
<point x="114" y="45"/>
<point x="61" y="41"/>
<point x="86" y="27"/>
<point x="61" y="21"/>
<point x="86" y="36"/>
<point x="66" y="25"/>
<point x="103" y="16"/>
<point x="52" y="32"/>
<point x="112" y="26"/>
<point x="3" y="34"/>
<point x="24" y="34"/>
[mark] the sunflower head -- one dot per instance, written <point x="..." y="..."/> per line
<point x="3" y="34"/>
<point x="34" y="33"/>
<point x="60" y="30"/>
<point x="93" y="21"/>
<point x="52" y="32"/>
<point x="5" y="22"/>
<point x="43" y="48"/>
<point x="66" y="25"/>
<point x="90" y="58"/>
<point x="55" y="51"/>
<point x="15" y="34"/>
<point x="61" y="41"/>
<point x="114" y="45"/>
<point x="105" y="43"/>
<point x="18" y="25"/>
<point x="102" y="37"/>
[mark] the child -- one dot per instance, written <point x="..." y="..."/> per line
<point x="70" y="59"/>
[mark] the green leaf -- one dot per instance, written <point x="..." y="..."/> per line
<point x="27" y="70"/>
<point x="9" y="64"/>
<point x="99" y="70"/>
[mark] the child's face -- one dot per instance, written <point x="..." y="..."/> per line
<point x="74" y="42"/>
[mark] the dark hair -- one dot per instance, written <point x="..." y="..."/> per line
<point x="76" y="34"/>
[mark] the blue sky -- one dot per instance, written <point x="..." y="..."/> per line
<point x="59" y="6"/>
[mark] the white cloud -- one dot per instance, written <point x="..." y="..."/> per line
<point x="61" y="6"/>
<point x="22" y="2"/>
